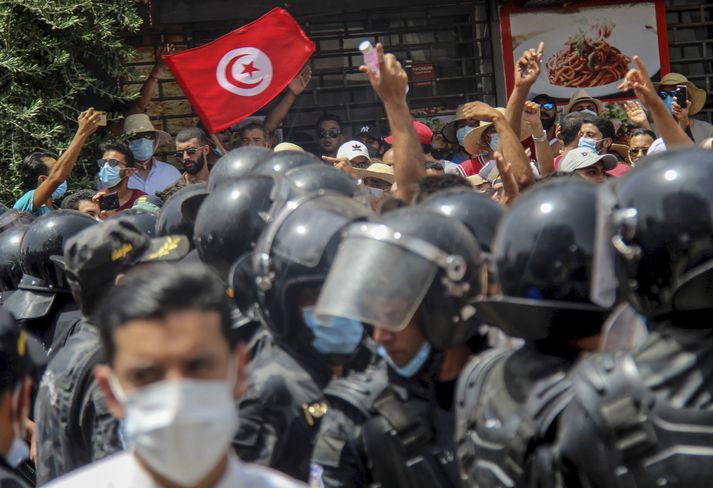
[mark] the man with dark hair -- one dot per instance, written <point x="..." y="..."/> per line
<point x="329" y="134"/>
<point x="44" y="176"/>
<point x="192" y="149"/>
<point x="115" y="169"/>
<point x="172" y="376"/>
<point x="597" y="134"/>
<point x="15" y="387"/>
<point x="569" y="132"/>
<point x="432" y="184"/>
<point x="74" y="424"/>
<point x="254" y="134"/>
<point x="82" y="201"/>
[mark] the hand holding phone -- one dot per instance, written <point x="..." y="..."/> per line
<point x="109" y="201"/>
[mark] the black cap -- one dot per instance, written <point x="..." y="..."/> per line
<point x="371" y="131"/>
<point x="16" y="361"/>
<point x="99" y="253"/>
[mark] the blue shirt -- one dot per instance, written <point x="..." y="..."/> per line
<point x="159" y="178"/>
<point x="26" y="203"/>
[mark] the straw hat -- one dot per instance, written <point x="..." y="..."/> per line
<point x="697" y="95"/>
<point x="287" y="146"/>
<point x="138" y="123"/>
<point x="449" y="130"/>
<point x="473" y="137"/>
<point x="620" y="149"/>
<point x="380" y="171"/>
<point x="582" y="96"/>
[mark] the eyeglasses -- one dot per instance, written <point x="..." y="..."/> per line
<point x="111" y="162"/>
<point x="635" y="151"/>
<point x="191" y="151"/>
<point x="328" y="133"/>
<point x="548" y="105"/>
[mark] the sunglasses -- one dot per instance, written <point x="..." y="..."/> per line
<point x="548" y="105"/>
<point x="191" y="151"/>
<point x="111" y="162"/>
<point x="635" y="151"/>
<point x="146" y="135"/>
<point x="328" y="133"/>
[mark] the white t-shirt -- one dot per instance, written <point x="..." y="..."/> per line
<point x="160" y="177"/>
<point x="701" y="131"/>
<point x="123" y="471"/>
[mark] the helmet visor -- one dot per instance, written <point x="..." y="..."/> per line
<point x="604" y="282"/>
<point x="375" y="281"/>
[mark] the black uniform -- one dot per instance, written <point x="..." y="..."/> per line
<point x="9" y="478"/>
<point x="385" y="430"/>
<point x="74" y="424"/>
<point x="509" y="401"/>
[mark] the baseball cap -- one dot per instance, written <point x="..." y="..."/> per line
<point x="99" y="253"/>
<point x="370" y="131"/>
<point x="353" y="149"/>
<point x="583" y="158"/>
<point x="425" y="134"/>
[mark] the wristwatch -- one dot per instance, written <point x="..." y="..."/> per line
<point x="543" y="138"/>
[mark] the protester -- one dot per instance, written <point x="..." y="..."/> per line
<point x="152" y="175"/>
<point x="369" y="136"/>
<point x="580" y="101"/>
<point x="44" y="177"/>
<point x="696" y="129"/>
<point x="455" y="131"/>
<point x="82" y="201"/>
<point x="116" y="168"/>
<point x="254" y="134"/>
<point x="192" y="149"/>
<point x="640" y="140"/>
<point x="329" y="134"/>
<point x="355" y="153"/>
<point x="570" y="130"/>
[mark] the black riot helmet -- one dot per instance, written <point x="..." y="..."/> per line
<point x="42" y="278"/>
<point x="411" y="260"/>
<point x="283" y="161"/>
<point x="315" y="177"/>
<point x="543" y="251"/>
<point x="12" y="218"/>
<point x="143" y="220"/>
<point x="172" y="219"/>
<point x="477" y="211"/>
<point x="231" y="219"/>
<point x="10" y="270"/>
<point x="236" y="164"/>
<point x="291" y="261"/>
<point x="655" y="237"/>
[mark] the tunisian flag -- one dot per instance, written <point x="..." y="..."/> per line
<point x="240" y="72"/>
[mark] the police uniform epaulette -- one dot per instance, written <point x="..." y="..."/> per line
<point x="360" y="390"/>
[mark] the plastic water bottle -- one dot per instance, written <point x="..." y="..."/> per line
<point x="371" y="57"/>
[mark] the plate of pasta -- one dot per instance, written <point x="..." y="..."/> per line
<point x="595" y="59"/>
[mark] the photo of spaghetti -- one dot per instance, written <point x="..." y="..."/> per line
<point x="588" y="62"/>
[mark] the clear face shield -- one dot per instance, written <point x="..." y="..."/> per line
<point x="381" y="276"/>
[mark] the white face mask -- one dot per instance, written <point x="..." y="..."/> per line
<point x="182" y="428"/>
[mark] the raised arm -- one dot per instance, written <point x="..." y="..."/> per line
<point x="88" y="124"/>
<point x="297" y="85"/>
<point x="390" y="85"/>
<point x="543" y="151"/>
<point x="669" y="129"/>
<point x="149" y="87"/>
<point x="527" y="70"/>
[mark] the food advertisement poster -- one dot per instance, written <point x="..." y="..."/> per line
<point x="589" y="47"/>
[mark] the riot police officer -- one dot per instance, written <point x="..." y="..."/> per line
<point x="413" y="274"/>
<point x="643" y="417"/>
<point x="279" y="415"/>
<point x="42" y="302"/>
<point x="74" y="424"/>
<point x="507" y="399"/>
<point x="10" y="270"/>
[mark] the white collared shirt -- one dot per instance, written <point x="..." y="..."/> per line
<point x="124" y="471"/>
<point x="161" y="176"/>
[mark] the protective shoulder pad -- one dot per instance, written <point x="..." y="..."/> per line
<point x="360" y="390"/>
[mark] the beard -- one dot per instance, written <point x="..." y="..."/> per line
<point x="196" y="167"/>
<point x="547" y="123"/>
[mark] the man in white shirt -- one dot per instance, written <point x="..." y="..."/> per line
<point x="172" y="377"/>
<point x="152" y="175"/>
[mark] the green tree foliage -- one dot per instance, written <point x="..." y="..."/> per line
<point x="54" y="55"/>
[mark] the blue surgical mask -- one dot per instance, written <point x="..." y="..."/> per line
<point x="340" y="336"/>
<point x="414" y="366"/>
<point x="142" y="149"/>
<point x="461" y="133"/>
<point x="60" y="191"/>
<point x="110" y="177"/>
<point x="668" y="101"/>
<point x="588" y="142"/>
<point x="494" y="139"/>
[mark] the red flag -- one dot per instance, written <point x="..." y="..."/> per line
<point x="240" y="72"/>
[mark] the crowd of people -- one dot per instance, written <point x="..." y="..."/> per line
<point x="529" y="304"/>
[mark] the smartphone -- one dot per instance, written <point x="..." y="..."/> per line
<point x="109" y="201"/>
<point x="680" y="94"/>
<point x="102" y="119"/>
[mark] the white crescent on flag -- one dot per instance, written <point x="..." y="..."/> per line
<point x="246" y="71"/>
